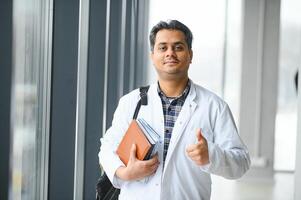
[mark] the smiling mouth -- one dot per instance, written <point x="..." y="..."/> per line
<point x="171" y="62"/>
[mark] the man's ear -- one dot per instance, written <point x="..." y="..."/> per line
<point x="191" y="55"/>
<point x="151" y="55"/>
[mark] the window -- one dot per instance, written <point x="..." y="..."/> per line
<point x="30" y="89"/>
<point x="289" y="61"/>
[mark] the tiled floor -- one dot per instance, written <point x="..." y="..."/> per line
<point x="281" y="188"/>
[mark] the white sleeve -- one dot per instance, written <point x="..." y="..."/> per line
<point x="108" y="158"/>
<point x="228" y="156"/>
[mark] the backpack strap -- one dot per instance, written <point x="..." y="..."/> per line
<point x="142" y="100"/>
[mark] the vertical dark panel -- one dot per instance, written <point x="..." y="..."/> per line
<point x="142" y="52"/>
<point x="63" y="100"/>
<point x="5" y="92"/>
<point x="128" y="49"/>
<point x="95" y="92"/>
<point x="113" y="60"/>
<point x="136" y="52"/>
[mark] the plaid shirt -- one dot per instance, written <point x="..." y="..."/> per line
<point x="171" y="110"/>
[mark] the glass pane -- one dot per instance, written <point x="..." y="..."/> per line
<point x="27" y="140"/>
<point x="233" y="57"/>
<point x="289" y="61"/>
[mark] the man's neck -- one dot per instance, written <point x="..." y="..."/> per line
<point x="173" y="88"/>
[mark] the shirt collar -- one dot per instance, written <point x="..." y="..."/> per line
<point x="181" y="97"/>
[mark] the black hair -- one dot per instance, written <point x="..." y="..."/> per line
<point x="170" y="25"/>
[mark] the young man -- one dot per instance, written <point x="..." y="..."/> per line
<point x="199" y="136"/>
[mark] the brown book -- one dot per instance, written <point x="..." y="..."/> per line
<point x="134" y="135"/>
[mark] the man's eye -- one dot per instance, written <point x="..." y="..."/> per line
<point x="162" y="48"/>
<point x="178" y="48"/>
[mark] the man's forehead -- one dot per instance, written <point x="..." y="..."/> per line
<point x="170" y="36"/>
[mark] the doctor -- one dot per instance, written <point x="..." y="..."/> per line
<point x="198" y="133"/>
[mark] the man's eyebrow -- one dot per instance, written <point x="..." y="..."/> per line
<point x="179" y="42"/>
<point x="174" y="43"/>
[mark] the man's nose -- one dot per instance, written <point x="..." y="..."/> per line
<point x="170" y="52"/>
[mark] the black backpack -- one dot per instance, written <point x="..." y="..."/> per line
<point x="104" y="188"/>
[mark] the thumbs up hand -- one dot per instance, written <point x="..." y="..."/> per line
<point x="199" y="152"/>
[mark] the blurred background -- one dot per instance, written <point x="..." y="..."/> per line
<point x="65" y="64"/>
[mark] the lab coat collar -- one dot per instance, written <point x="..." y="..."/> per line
<point x="181" y="123"/>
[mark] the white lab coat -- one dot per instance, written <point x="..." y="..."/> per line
<point x="181" y="178"/>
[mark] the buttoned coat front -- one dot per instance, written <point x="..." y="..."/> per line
<point x="181" y="178"/>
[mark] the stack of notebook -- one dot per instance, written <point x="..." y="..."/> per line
<point x="145" y="138"/>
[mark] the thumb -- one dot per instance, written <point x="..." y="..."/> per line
<point x="133" y="152"/>
<point x="199" y="135"/>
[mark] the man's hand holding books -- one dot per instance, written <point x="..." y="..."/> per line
<point x="137" y="169"/>
<point x="138" y="151"/>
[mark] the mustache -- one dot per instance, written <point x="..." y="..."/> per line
<point x="173" y="60"/>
